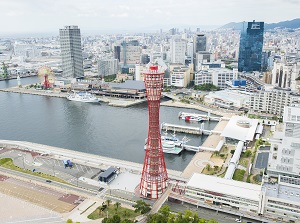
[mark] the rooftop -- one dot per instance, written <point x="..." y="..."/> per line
<point x="284" y="192"/>
<point x="108" y="172"/>
<point x="224" y="186"/>
<point x="130" y="84"/>
<point x="237" y="128"/>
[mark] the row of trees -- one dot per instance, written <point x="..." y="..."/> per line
<point x="206" y="87"/>
<point x="165" y="215"/>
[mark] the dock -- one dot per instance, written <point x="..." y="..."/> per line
<point x="188" y="129"/>
<point x="205" y="117"/>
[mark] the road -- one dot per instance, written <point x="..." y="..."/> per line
<point x="60" y="186"/>
<point x="207" y="213"/>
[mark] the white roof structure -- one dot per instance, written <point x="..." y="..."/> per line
<point x="240" y="128"/>
<point x="224" y="186"/>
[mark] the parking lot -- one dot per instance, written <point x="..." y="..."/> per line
<point x="262" y="160"/>
<point x="51" y="166"/>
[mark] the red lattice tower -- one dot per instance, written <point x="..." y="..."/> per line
<point x="154" y="175"/>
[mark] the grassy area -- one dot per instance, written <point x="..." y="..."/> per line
<point x="8" y="163"/>
<point x="111" y="211"/>
<point x="238" y="175"/>
<point x="244" y="162"/>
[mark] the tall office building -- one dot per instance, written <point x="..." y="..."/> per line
<point x="199" y="46"/>
<point x="251" y="44"/>
<point x="71" y="52"/>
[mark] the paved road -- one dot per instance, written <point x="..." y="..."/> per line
<point x="207" y="213"/>
<point x="53" y="183"/>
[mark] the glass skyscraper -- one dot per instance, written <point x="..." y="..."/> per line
<point x="251" y="44"/>
<point x="71" y="52"/>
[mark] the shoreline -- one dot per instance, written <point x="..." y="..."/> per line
<point x="117" y="102"/>
<point x="79" y="157"/>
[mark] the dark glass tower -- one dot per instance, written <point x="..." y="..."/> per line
<point x="251" y="44"/>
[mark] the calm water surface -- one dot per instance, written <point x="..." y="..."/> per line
<point x="92" y="128"/>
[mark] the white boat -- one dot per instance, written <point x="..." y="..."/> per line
<point x="171" y="145"/>
<point x="83" y="97"/>
<point x="191" y="118"/>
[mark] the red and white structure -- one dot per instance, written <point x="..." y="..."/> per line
<point x="154" y="176"/>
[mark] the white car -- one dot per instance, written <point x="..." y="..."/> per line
<point x="238" y="220"/>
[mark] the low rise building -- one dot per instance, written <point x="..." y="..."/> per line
<point x="215" y="76"/>
<point x="227" y="99"/>
<point x="230" y="193"/>
<point x="240" y="129"/>
<point x="282" y="201"/>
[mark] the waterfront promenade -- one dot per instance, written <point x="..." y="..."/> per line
<point x="79" y="157"/>
<point x="111" y="101"/>
<point x="212" y="110"/>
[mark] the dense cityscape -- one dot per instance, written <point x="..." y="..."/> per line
<point x="172" y="125"/>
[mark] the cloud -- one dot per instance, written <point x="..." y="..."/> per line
<point x="122" y="15"/>
<point x="90" y="14"/>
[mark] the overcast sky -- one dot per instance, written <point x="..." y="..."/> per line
<point x="20" y="16"/>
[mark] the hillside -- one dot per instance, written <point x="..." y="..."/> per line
<point x="291" y="24"/>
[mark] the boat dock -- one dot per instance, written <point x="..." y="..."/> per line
<point x="203" y="116"/>
<point x="187" y="129"/>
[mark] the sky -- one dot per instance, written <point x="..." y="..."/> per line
<point x="34" y="16"/>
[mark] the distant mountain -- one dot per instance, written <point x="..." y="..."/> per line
<point x="292" y="24"/>
<point x="233" y="25"/>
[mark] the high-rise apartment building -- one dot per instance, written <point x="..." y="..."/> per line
<point x="284" y="74"/>
<point x="273" y="101"/>
<point x="251" y="44"/>
<point x="71" y="52"/>
<point x="108" y="67"/>
<point x="178" y="48"/>
<point x="130" y="52"/>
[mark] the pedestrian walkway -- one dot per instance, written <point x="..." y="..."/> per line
<point x="81" y="213"/>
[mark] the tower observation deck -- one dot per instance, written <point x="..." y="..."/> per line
<point x="154" y="175"/>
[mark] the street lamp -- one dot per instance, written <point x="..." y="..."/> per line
<point x="23" y="162"/>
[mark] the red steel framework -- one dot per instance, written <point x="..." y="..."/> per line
<point x="46" y="82"/>
<point x="154" y="176"/>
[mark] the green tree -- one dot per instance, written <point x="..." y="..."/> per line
<point x="117" y="205"/>
<point x="141" y="207"/>
<point x="69" y="221"/>
<point x="165" y="211"/>
<point x="108" y="202"/>
<point x="248" y="153"/>
<point x="208" y="167"/>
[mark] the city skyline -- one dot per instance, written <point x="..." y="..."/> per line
<point x="34" y="16"/>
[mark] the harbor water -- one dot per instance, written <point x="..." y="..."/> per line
<point x="92" y="128"/>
